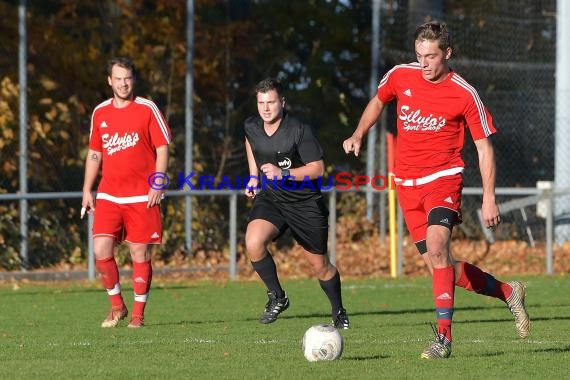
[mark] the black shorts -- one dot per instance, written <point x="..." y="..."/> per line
<point x="308" y="220"/>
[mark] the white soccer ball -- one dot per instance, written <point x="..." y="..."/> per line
<point x="322" y="342"/>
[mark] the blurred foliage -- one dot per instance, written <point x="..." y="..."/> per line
<point x="319" y="48"/>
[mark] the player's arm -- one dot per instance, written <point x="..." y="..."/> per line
<point x="310" y="170"/>
<point x="155" y="194"/>
<point x="92" y="166"/>
<point x="253" y="182"/>
<point x="487" y="167"/>
<point x="369" y="118"/>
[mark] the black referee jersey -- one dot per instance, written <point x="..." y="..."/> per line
<point x="291" y="146"/>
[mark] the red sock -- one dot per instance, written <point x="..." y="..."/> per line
<point x="475" y="280"/>
<point x="142" y="278"/>
<point x="109" y="272"/>
<point x="443" y="283"/>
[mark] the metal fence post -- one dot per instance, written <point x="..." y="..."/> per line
<point x="23" y="156"/>
<point x="549" y="229"/>
<point x="400" y="249"/>
<point x="233" y="236"/>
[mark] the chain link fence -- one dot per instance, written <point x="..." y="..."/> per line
<point x="506" y="52"/>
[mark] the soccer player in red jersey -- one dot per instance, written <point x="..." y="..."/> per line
<point x="129" y="140"/>
<point x="434" y="107"/>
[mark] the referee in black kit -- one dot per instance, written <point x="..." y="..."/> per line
<point x="285" y="162"/>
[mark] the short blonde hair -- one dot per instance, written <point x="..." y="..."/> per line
<point x="434" y="31"/>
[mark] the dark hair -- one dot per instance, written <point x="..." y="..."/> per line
<point x="434" y="31"/>
<point x="124" y="62"/>
<point x="269" y="84"/>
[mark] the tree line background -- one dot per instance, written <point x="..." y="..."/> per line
<point x="320" y="50"/>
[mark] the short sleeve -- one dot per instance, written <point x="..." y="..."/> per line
<point x="309" y="147"/>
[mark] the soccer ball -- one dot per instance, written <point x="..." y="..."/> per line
<point x="322" y="342"/>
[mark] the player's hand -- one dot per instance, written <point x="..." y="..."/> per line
<point x="491" y="215"/>
<point x="271" y="171"/>
<point x="87" y="204"/>
<point x="252" y="188"/>
<point x="154" y="197"/>
<point x="352" y="144"/>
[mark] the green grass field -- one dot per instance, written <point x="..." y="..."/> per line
<point x="206" y="330"/>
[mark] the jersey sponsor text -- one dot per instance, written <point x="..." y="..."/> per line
<point x="414" y="121"/>
<point x="115" y="143"/>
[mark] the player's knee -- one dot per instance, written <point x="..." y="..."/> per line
<point x="438" y="241"/>
<point x="438" y="254"/>
<point x="320" y="271"/>
<point x="436" y="246"/>
<point x="139" y="252"/>
<point x="255" y="245"/>
<point x="102" y="251"/>
<point x="323" y="269"/>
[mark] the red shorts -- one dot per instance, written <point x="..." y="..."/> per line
<point x="437" y="202"/>
<point x="133" y="222"/>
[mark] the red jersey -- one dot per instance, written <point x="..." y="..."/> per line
<point x="128" y="138"/>
<point x="431" y="121"/>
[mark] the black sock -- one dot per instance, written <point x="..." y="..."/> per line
<point x="267" y="271"/>
<point x="332" y="290"/>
